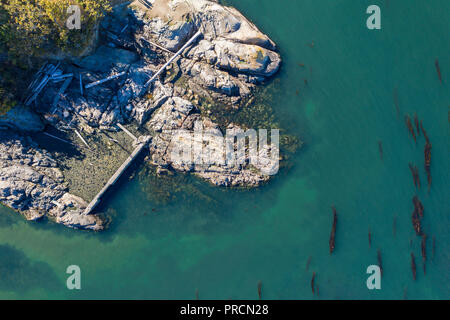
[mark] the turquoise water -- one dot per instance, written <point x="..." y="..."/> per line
<point x="222" y="242"/>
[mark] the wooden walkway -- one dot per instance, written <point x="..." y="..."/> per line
<point x="117" y="175"/>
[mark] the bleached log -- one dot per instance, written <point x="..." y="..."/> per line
<point x="37" y="75"/>
<point x="57" y="73"/>
<point x="126" y="131"/>
<point x="84" y="141"/>
<point x="159" y="47"/>
<point x="57" y="138"/>
<point x="81" y="85"/>
<point x="61" y="91"/>
<point x="57" y="203"/>
<point x="63" y="76"/>
<point x="36" y="91"/>
<point x="124" y="28"/>
<point x="48" y="71"/>
<point x="173" y="57"/>
<point x="96" y="83"/>
<point x="146" y="4"/>
<point x="41" y="84"/>
<point x="112" y="35"/>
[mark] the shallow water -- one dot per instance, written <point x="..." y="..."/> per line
<point x="223" y="242"/>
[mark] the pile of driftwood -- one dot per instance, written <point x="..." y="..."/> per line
<point x="48" y="72"/>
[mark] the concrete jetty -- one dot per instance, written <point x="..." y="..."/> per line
<point x="144" y="141"/>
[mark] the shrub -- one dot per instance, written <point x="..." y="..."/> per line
<point x="35" y="27"/>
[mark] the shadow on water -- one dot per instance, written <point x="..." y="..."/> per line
<point x="20" y="274"/>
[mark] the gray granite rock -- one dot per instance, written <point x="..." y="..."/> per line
<point x="31" y="183"/>
<point x="106" y="58"/>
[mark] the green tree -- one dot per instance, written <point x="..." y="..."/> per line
<point x="35" y="27"/>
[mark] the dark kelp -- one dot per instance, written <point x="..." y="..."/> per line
<point x="410" y="127"/>
<point x="380" y="149"/>
<point x="418" y="206"/>
<point x="433" y="248"/>
<point x="424" y="252"/>
<point x="313" y="279"/>
<point x="415" y="175"/>
<point x="416" y="123"/>
<point x="370" y="238"/>
<point x="333" y="230"/>
<point x="259" y="289"/>
<point x="417" y="215"/>
<point x="413" y="266"/>
<point x="438" y="70"/>
<point x="423" y="131"/>
<point x="411" y="168"/>
<point x="380" y="263"/>
<point x="427" y="154"/>
<point x="416" y="223"/>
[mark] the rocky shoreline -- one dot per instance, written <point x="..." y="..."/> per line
<point x="225" y="65"/>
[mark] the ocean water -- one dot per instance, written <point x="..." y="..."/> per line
<point x="222" y="242"/>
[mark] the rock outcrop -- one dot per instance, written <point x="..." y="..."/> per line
<point x="31" y="183"/>
<point x="224" y="65"/>
<point x="21" y="118"/>
<point x="188" y="142"/>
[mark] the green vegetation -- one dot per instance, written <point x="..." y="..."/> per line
<point x="35" y="27"/>
<point x="11" y="81"/>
